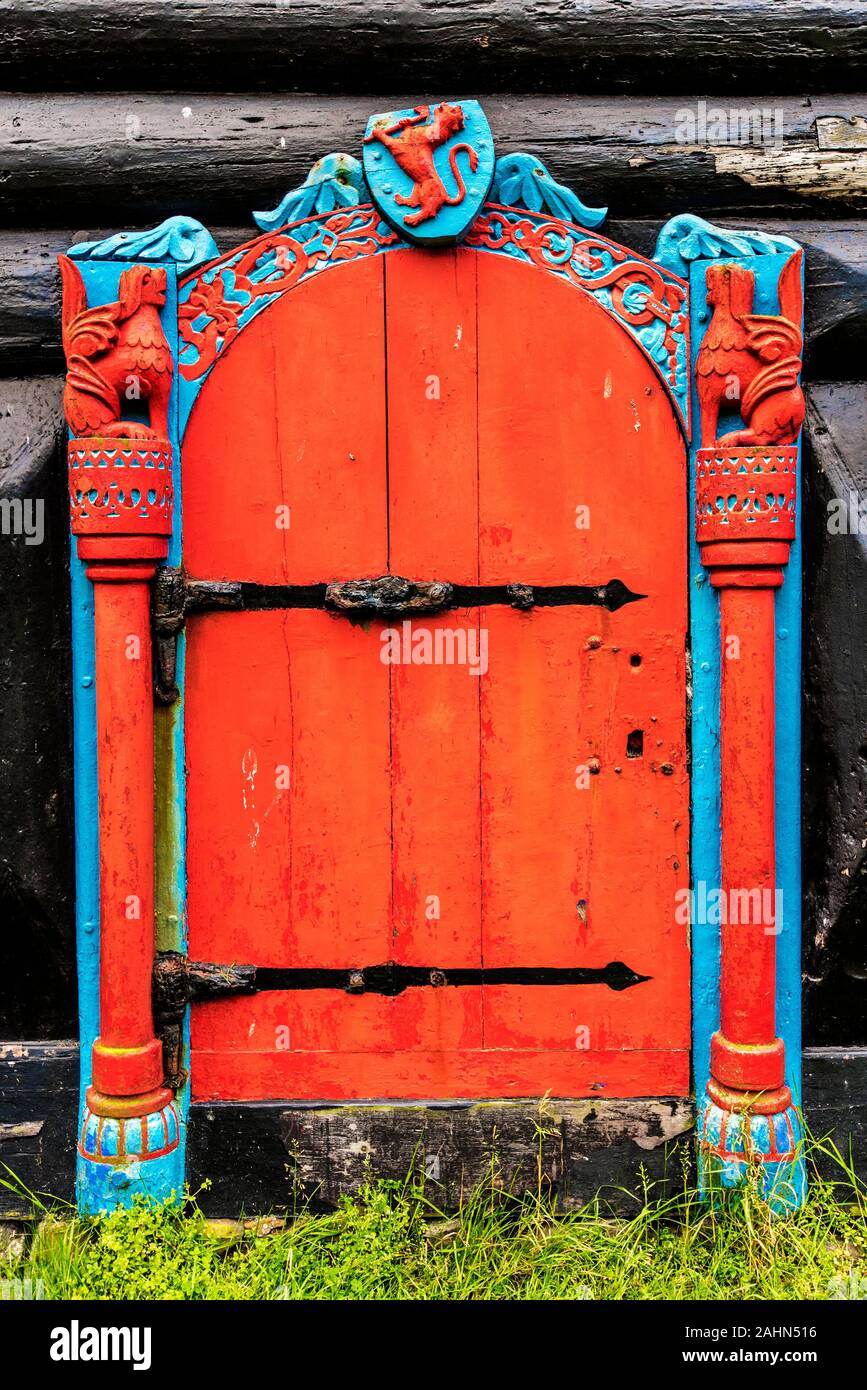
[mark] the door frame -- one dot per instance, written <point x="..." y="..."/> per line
<point x="662" y="302"/>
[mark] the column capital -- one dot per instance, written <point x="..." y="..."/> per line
<point x="120" y="499"/>
<point x="745" y="512"/>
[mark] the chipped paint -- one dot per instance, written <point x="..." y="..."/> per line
<point x="832" y="174"/>
<point x="249" y="768"/>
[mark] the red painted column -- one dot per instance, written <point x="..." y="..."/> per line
<point x="745" y="522"/>
<point x="121" y="500"/>
<point x="746" y="1056"/>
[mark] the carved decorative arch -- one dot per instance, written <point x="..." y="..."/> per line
<point x="218" y="301"/>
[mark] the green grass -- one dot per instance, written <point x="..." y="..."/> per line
<point x="392" y="1242"/>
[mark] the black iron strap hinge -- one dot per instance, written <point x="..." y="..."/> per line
<point x="179" y="982"/>
<point x="389" y="596"/>
<point x="175" y="596"/>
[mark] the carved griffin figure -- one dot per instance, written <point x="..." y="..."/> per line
<point x="116" y="352"/>
<point x="759" y="355"/>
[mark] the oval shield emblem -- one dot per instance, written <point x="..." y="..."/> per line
<point x="429" y="169"/>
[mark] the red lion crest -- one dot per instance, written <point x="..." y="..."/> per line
<point x="411" y="142"/>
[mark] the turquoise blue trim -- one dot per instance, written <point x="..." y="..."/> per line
<point x="704" y="638"/>
<point x="113" y="1163"/>
<point x="705" y="858"/>
<point x="179" y="240"/>
<point x="86" y="813"/>
<point x="731" y="1146"/>
<point x="687" y="238"/>
<point x="522" y="181"/>
<point x="336" y="181"/>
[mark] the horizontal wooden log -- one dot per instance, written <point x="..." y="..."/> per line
<point x="83" y="158"/>
<point x="495" y="45"/>
<point x="836" y="289"/>
<point x="37" y="879"/>
<point x="835" y="1105"/>
<point x="261" y="1156"/>
<point x="38" y="1117"/>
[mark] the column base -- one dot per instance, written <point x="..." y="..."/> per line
<point x="739" y="1149"/>
<point x="122" y="1156"/>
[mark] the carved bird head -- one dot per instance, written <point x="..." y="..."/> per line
<point x="730" y="287"/>
<point x="141" y="284"/>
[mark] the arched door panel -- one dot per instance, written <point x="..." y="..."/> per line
<point x="497" y="853"/>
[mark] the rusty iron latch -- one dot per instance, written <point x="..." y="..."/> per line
<point x="389" y="595"/>
<point x="178" y="982"/>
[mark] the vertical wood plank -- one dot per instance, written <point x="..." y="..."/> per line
<point x="581" y="480"/>
<point x="433" y="480"/>
<point x="432" y="432"/>
<point x="289" y="847"/>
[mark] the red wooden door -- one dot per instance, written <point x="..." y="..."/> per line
<point x="449" y="415"/>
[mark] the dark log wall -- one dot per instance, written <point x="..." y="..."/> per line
<point x="338" y="46"/>
<point x="118" y="115"/>
<point x="37" y="968"/>
<point x="217" y="156"/>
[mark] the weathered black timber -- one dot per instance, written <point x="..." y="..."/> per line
<point x="38" y="1118"/>
<point x="835" y="1103"/>
<point x="836" y="273"/>
<point x="268" y="1155"/>
<point x="835" y="725"/>
<point x="37" y="951"/>
<point x="441" y="49"/>
<point x="80" y="158"/>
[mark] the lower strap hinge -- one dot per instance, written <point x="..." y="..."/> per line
<point x="178" y="982"/>
<point x="174" y="598"/>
